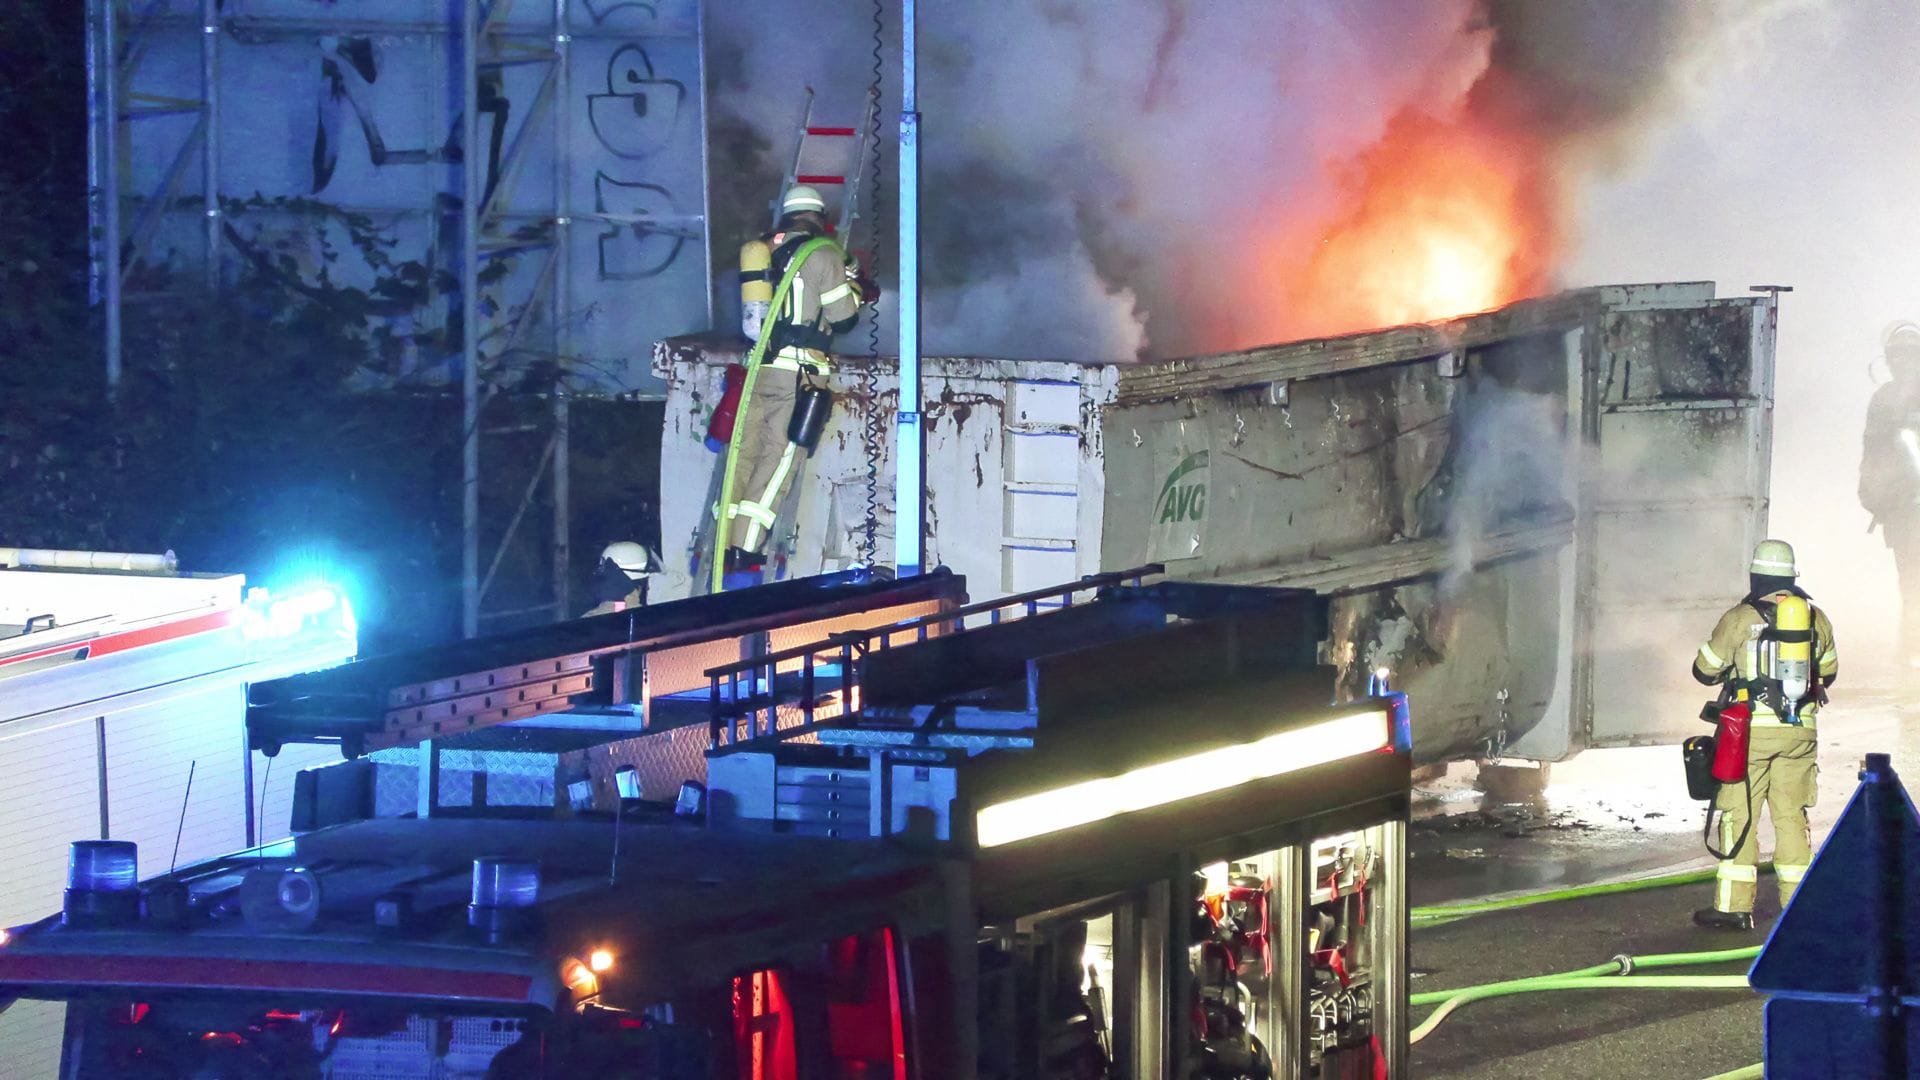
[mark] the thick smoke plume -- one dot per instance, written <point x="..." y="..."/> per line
<point x="1113" y="178"/>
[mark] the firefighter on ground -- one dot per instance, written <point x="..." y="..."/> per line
<point x="1890" y="473"/>
<point x="1752" y="651"/>
<point x="822" y="294"/>
<point x="621" y="578"/>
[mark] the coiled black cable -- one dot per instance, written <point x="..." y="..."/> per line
<point x="874" y="429"/>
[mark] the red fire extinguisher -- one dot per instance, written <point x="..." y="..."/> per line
<point x="1730" y="743"/>
<point x="720" y="425"/>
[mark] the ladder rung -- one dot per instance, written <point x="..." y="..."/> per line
<point x="810" y="178"/>
<point x="849" y="132"/>
<point x="1039" y="543"/>
<point x="1041" y="487"/>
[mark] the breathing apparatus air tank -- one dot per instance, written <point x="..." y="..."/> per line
<point x="756" y="286"/>
<point x="1793" y="650"/>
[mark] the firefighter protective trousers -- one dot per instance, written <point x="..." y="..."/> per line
<point x="766" y="462"/>
<point x="1783" y="777"/>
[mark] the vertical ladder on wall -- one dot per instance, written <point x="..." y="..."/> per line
<point x="820" y="159"/>
<point x="1040" y="473"/>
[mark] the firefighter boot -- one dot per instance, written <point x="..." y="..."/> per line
<point x="1715" y="919"/>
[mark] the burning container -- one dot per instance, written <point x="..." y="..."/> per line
<point x="1526" y="515"/>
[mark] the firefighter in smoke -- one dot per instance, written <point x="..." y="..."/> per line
<point x="798" y="288"/>
<point x="1774" y="655"/>
<point x="620" y="580"/>
<point x="1890" y="473"/>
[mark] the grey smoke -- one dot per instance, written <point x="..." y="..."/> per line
<point x="1507" y="463"/>
<point x="1098" y="173"/>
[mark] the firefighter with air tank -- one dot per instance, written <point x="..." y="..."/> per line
<point x="1890" y="472"/>
<point x="1773" y="655"/>
<point x="798" y="288"/>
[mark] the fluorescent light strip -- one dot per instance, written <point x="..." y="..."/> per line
<point x="1182" y="778"/>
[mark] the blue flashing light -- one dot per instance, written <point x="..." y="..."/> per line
<point x="311" y="612"/>
<point x="505" y="883"/>
<point x="1401" y="715"/>
<point x="103" y="866"/>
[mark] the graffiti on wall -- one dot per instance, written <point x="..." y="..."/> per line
<point x="633" y="120"/>
<point x="341" y="135"/>
<point x="349" y="68"/>
<point x="602" y="10"/>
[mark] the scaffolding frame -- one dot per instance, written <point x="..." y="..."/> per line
<point x="119" y="34"/>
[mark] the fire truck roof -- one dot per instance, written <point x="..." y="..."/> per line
<point x="684" y="907"/>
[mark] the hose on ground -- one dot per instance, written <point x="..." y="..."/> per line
<point x="1596" y="982"/>
<point x="1436" y="914"/>
<point x="1612" y="975"/>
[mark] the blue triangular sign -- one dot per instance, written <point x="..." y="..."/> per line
<point x="1826" y="940"/>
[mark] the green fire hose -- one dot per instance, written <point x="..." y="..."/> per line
<point x="1436" y="914"/>
<point x="1609" y="976"/>
<point x="723" y="523"/>
<point x="1613" y="970"/>
<point x="1613" y="975"/>
<point x="1593" y="982"/>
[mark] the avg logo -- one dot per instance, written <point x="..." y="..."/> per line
<point x="1183" y="495"/>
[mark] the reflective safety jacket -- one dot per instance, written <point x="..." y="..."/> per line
<point x="1734" y="650"/>
<point x="824" y="301"/>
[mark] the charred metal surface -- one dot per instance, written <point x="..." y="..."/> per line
<point x="1677" y="497"/>
<point x="1694" y="352"/>
<point x="1308" y="359"/>
<point x="1371" y="458"/>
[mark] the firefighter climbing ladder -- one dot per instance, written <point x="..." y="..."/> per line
<point x="817" y="149"/>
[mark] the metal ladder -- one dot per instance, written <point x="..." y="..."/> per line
<point x="848" y="178"/>
<point x="770" y="699"/>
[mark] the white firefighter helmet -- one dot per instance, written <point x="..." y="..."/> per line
<point x="803" y="197"/>
<point x="632" y="558"/>
<point x="1902" y="334"/>
<point x="1773" y="558"/>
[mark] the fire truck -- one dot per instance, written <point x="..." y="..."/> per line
<point x="834" y="826"/>
<point x="122" y="714"/>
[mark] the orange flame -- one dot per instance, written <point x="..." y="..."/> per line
<point x="1437" y="220"/>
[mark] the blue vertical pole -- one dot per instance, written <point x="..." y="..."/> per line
<point x="909" y="458"/>
<point x="472" y="186"/>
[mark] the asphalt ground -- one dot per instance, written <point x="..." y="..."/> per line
<point x="1607" y="815"/>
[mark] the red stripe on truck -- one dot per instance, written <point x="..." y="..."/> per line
<point x="107" y="644"/>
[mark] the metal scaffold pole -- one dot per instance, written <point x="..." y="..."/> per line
<point x="562" y="313"/>
<point x="210" y="138"/>
<point x="472" y="162"/>
<point x="706" y="157"/>
<point x="106" y="177"/>
<point x="909" y="534"/>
